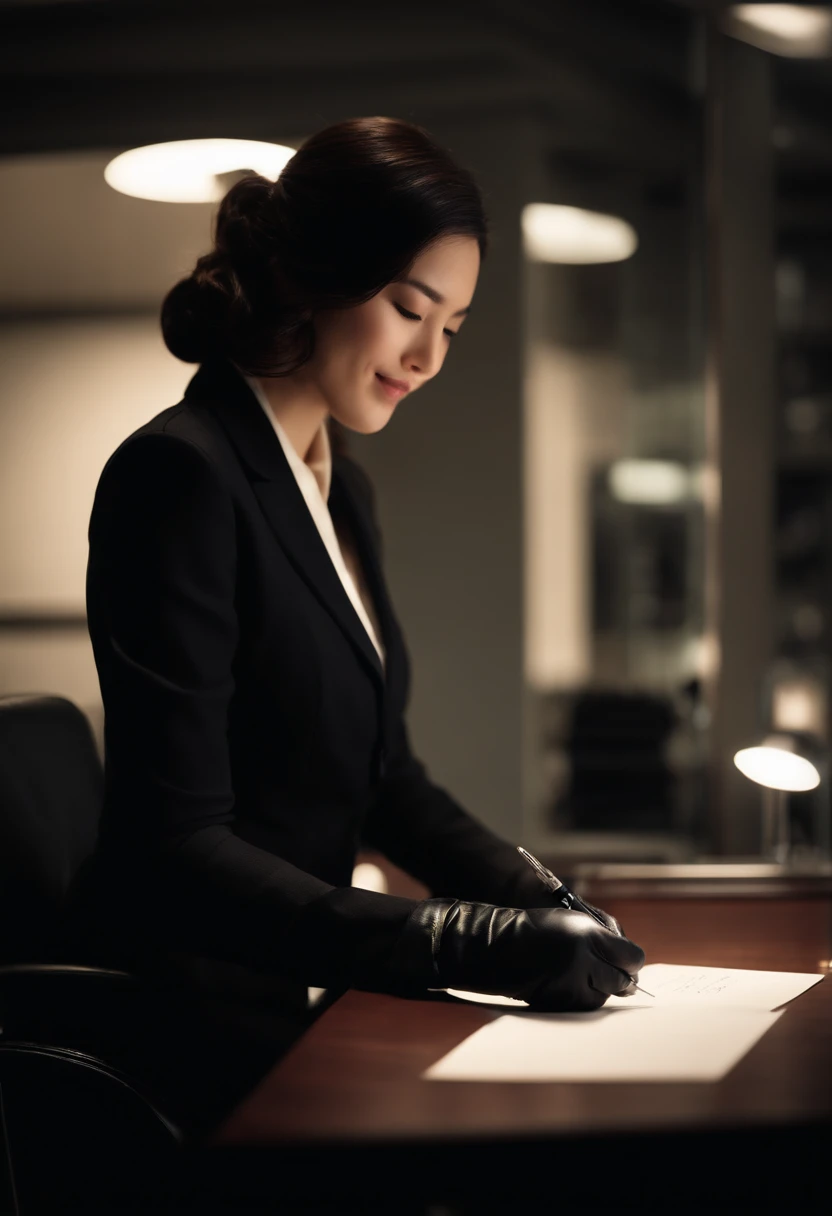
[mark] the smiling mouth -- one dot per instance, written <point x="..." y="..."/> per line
<point x="392" y="386"/>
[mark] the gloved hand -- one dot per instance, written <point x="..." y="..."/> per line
<point x="554" y="958"/>
<point x="610" y="921"/>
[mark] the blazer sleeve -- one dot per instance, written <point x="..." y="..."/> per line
<point x="161" y="610"/>
<point x="422" y="828"/>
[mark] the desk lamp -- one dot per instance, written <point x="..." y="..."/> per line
<point x="776" y="766"/>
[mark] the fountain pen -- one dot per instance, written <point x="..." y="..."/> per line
<point x="569" y="900"/>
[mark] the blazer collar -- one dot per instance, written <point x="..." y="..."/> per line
<point x="219" y="387"/>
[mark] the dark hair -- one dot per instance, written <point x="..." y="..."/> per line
<point x="350" y="212"/>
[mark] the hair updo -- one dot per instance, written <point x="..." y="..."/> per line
<point x="350" y="212"/>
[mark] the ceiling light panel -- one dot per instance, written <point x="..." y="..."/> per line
<point x="556" y="233"/>
<point x="191" y="170"/>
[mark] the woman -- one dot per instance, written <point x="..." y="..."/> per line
<point x="253" y="672"/>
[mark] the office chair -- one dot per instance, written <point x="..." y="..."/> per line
<point x="77" y="1135"/>
<point x="619" y="772"/>
<point x="76" y="1132"/>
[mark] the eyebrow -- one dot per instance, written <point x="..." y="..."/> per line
<point x="434" y="295"/>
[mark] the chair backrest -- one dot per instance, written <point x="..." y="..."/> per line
<point x="78" y="1135"/>
<point x="619" y="773"/>
<point x="51" y="794"/>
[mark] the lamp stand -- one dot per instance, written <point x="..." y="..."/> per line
<point x="775" y="843"/>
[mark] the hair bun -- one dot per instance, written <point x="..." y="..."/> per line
<point x="245" y="220"/>
<point x="194" y="313"/>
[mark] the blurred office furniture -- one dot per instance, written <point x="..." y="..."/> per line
<point x="618" y="770"/>
<point x="51" y="792"/>
<point x="349" y="1105"/>
<point x="76" y="1130"/>
<point x="623" y="773"/>
<point x="76" y="1133"/>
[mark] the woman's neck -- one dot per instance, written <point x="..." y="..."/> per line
<point x="300" y="412"/>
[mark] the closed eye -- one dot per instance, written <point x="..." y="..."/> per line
<point x="412" y="316"/>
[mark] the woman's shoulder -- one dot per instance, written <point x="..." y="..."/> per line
<point x="179" y="434"/>
<point x="162" y="476"/>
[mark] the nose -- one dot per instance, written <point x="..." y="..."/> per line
<point x="426" y="355"/>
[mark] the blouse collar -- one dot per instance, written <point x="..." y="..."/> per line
<point x="318" y="458"/>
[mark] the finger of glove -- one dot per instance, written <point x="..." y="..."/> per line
<point x="609" y="978"/>
<point x="620" y="952"/>
<point x="610" y="921"/>
<point x="557" y="996"/>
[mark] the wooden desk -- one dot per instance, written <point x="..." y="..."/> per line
<point x="348" y="1099"/>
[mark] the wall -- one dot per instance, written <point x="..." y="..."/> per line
<point x="71" y="391"/>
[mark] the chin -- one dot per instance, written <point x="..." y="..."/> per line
<point x="366" y="422"/>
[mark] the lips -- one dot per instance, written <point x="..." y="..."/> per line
<point x="401" y="385"/>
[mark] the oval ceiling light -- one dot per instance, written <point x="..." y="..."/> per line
<point x="190" y="170"/>
<point x="649" y="482"/>
<point x="795" y="30"/>
<point x="556" y="233"/>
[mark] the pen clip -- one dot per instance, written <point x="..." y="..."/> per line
<point x="545" y="874"/>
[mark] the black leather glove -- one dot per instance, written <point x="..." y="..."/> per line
<point x="554" y="958"/>
<point x="610" y="921"/>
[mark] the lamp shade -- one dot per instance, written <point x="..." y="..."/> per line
<point x="776" y="765"/>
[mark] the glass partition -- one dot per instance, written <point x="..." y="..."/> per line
<point x="613" y="464"/>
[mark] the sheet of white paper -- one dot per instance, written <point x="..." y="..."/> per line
<point x="698" y="1024"/>
<point x="484" y="998"/>
<point x="674" y="984"/>
<point x="682" y="1044"/>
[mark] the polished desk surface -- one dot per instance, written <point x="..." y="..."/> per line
<point x="355" y="1075"/>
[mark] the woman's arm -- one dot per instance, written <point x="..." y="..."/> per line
<point x="422" y="829"/>
<point x="161" y="586"/>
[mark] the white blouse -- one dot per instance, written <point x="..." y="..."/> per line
<point x="314" y="476"/>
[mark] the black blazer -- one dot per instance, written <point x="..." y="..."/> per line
<point x="253" y="741"/>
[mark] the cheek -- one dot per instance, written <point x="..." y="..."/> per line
<point x="355" y="343"/>
<point x="367" y="332"/>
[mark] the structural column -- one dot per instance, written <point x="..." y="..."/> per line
<point x="740" y="408"/>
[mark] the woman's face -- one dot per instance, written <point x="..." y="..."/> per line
<point x="401" y="333"/>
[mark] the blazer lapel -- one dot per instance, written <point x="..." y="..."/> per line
<point x="220" y="387"/>
<point x="345" y="500"/>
